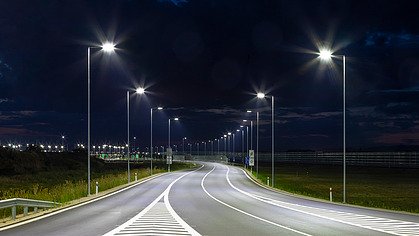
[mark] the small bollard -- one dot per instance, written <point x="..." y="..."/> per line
<point x="14" y="212"/>
<point x="268" y="181"/>
<point x="330" y="195"/>
<point x="97" y="187"/>
<point x="136" y="177"/>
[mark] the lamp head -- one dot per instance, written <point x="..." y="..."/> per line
<point x="249" y="111"/>
<point x="140" y="90"/>
<point x="260" y="95"/>
<point x="108" y="47"/>
<point x="176" y="118"/>
<point x="159" y="108"/>
<point x="325" y="55"/>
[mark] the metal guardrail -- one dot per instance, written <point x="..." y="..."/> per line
<point x="26" y="203"/>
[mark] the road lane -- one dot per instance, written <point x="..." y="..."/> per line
<point x="266" y="207"/>
<point x="98" y="217"/>
<point x="216" y="199"/>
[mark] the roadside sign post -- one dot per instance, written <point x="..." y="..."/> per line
<point x="169" y="153"/>
<point x="251" y="159"/>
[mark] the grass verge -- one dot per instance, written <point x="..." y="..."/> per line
<point x="387" y="188"/>
<point x="67" y="185"/>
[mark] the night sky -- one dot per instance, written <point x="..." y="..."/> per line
<point x="204" y="61"/>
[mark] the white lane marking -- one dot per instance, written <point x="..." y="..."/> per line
<point x="157" y="218"/>
<point x="78" y="205"/>
<point x="398" y="227"/>
<point x="246" y="213"/>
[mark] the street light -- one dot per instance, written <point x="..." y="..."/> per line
<point x="140" y="91"/>
<point x="218" y="146"/>
<point x="107" y="47"/>
<point x="225" y="144"/>
<point x="176" y="119"/>
<point x="257" y="139"/>
<point x="261" y="95"/>
<point x="326" y="55"/>
<point x="151" y="137"/>
<point x="183" y="145"/>
<point x="62" y="141"/>
<point x="247" y="135"/>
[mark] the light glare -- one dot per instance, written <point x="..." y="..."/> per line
<point x="261" y="95"/>
<point x="108" y="47"/>
<point x="140" y="90"/>
<point x="325" y="54"/>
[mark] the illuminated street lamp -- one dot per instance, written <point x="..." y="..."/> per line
<point x="175" y="119"/>
<point x="183" y="145"/>
<point x="257" y="139"/>
<point x="139" y="91"/>
<point x="151" y="137"/>
<point x="261" y="95"/>
<point x="62" y="141"/>
<point x="326" y="55"/>
<point x="247" y="135"/>
<point x="107" y="47"/>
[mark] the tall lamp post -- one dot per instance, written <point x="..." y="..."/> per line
<point x="326" y="55"/>
<point x="225" y="144"/>
<point x="261" y="96"/>
<point x="218" y="146"/>
<point x="175" y="119"/>
<point x="151" y="137"/>
<point x="137" y="91"/>
<point x="251" y="131"/>
<point x="257" y="139"/>
<point x="108" y="48"/>
<point x="183" y="145"/>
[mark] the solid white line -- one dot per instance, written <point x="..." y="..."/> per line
<point x="175" y="215"/>
<point x="272" y="202"/>
<point x="145" y="210"/>
<point x="78" y="205"/>
<point x="246" y="213"/>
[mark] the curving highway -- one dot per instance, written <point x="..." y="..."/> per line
<point x="214" y="199"/>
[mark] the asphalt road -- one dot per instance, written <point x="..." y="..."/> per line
<point x="215" y="199"/>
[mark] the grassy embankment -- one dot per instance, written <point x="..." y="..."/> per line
<point x="388" y="188"/>
<point x="63" y="177"/>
